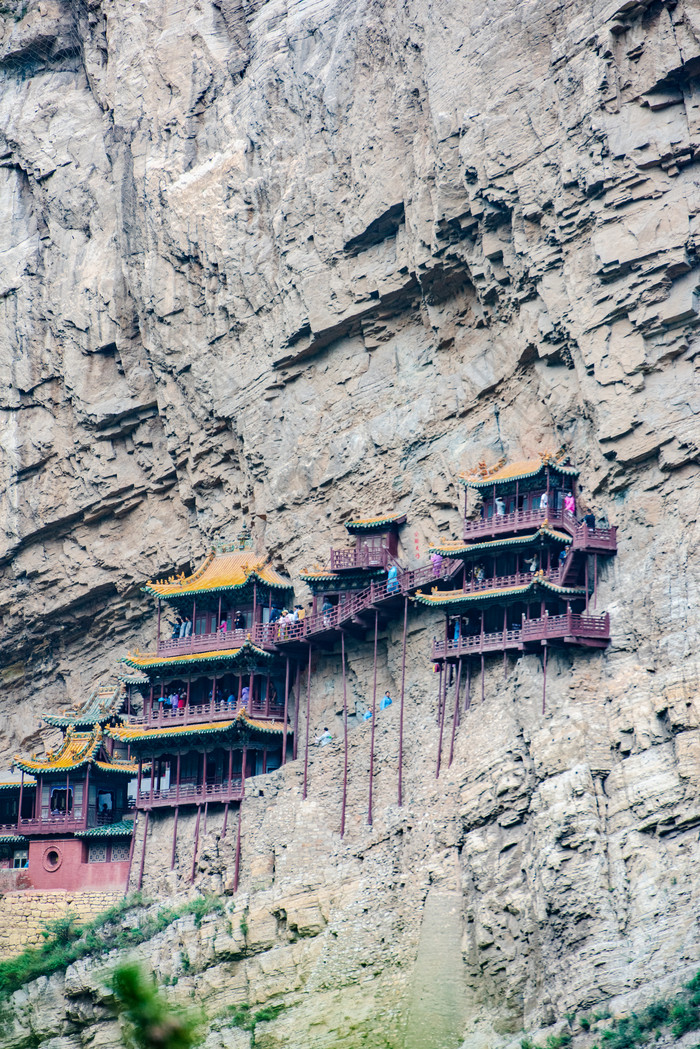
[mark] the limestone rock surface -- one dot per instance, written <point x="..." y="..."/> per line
<point x="282" y="262"/>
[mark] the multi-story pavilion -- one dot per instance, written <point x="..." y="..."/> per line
<point x="72" y="811"/>
<point x="530" y="566"/>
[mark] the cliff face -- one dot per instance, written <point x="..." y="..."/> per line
<point x="279" y="262"/>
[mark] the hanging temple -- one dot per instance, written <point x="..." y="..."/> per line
<point x="220" y="699"/>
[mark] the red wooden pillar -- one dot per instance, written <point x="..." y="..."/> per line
<point x="213" y="694"/>
<point x="595" y="582"/>
<point x="455" y="716"/>
<point x="237" y="862"/>
<point x="345" y="737"/>
<point x="374" y="718"/>
<point x="296" y="712"/>
<point x="443" y="704"/>
<point x="267" y="695"/>
<point x="196" y="844"/>
<point x="143" y="851"/>
<point x="255" y="604"/>
<point x="505" y="631"/>
<point x="544" y="677"/>
<point x="138" y="782"/>
<point x="153" y="778"/>
<point x="286" y="708"/>
<point x="308" y="720"/>
<point x="403" y="687"/>
<point x="172" y="857"/>
<point x="21" y="792"/>
<point x="86" y="797"/>
<point x="194" y="620"/>
<point x="177" y="778"/>
<point x="586" y="581"/>
<point x="468" y="695"/>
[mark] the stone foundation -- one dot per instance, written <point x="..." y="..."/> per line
<point x="23" y="915"/>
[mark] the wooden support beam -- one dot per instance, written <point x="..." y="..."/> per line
<point x="143" y="851"/>
<point x="286" y="707"/>
<point x="237" y="861"/>
<point x="403" y="688"/>
<point x="345" y="737"/>
<point x="172" y="858"/>
<point x="308" y="720"/>
<point x="374" y="718"/>
<point x="544" y="677"/>
<point x="196" y="844"/>
<point x="455" y="716"/>
<point x="443" y="704"/>
<point x="297" y="701"/>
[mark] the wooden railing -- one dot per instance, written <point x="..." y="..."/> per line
<point x="192" y="793"/>
<point x="359" y="557"/>
<point x="69" y="822"/>
<point x="547" y="627"/>
<point x="199" y="713"/>
<point x="263" y="635"/>
<point x="601" y="538"/>
<point x="570" y="624"/>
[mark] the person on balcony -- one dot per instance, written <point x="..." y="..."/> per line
<point x="533" y="564"/>
<point x="188" y="626"/>
<point x="223" y="626"/>
<point x="239" y="621"/>
<point x="245" y="696"/>
<point x="500" y="507"/>
<point x="327" y="610"/>
<point x="176" y="630"/>
<point x="570" y="504"/>
<point x="301" y="613"/>
<point x="275" y="614"/>
<point x="563" y="553"/>
<point x="436" y="562"/>
<point x="544" y="501"/>
<point x="457" y="626"/>
<point x="392" y="580"/>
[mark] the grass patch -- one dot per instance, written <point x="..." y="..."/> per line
<point x="679" y="1014"/>
<point x="67" y="941"/>
<point x="242" y="1017"/>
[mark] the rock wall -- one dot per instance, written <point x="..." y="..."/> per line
<point x="25" y="914"/>
<point x="282" y="263"/>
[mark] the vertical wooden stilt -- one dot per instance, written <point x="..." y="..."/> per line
<point x="143" y="851"/>
<point x="482" y="677"/>
<point x="442" y="722"/>
<point x="595" y="581"/>
<point x="297" y="701"/>
<point x="172" y="858"/>
<point x="286" y="707"/>
<point x="225" y="824"/>
<point x="204" y="825"/>
<point x="237" y="861"/>
<point x="131" y="851"/>
<point x="374" y="718"/>
<point x="345" y="737"/>
<point x="455" y="716"/>
<point x="403" y="686"/>
<point x="196" y="844"/>
<point x="544" y="678"/>
<point x="468" y="694"/>
<point x="308" y="719"/>
<point x="19" y="807"/>
<point x="586" y="581"/>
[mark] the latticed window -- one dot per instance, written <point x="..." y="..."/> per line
<point x="120" y="851"/>
<point x="97" y="854"/>
<point x="20" y="859"/>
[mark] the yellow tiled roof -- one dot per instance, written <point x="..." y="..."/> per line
<point x="503" y="471"/>
<point x="220" y="571"/>
<point x="131" y="734"/>
<point x="144" y="660"/>
<point x="77" y="749"/>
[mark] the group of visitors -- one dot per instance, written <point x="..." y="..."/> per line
<point x="173" y="701"/>
<point x="181" y="627"/>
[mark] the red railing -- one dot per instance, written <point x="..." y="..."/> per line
<point x="263" y="635"/>
<point x="359" y="557"/>
<point x="352" y="604"/>
<point x="603" y="538"/>
<point x="570" y="624"/>
<point x="197" y="714"/>
<point x="188" y="793"/>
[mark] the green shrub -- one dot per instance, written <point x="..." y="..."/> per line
<point x="585" y="1023"/>
<point x="150" y="1021"/>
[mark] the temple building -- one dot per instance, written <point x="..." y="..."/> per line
<point x="215" y="696"/>
<point x="68" y="821"/>
<point x="530" y="566"/>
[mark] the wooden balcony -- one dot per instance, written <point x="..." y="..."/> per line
<point x="261" y="634"/>
<point x="601" y="539"/>
<point x="56" y="824"/>
<point x="201" y="713"/>
<point x="192" y="794"/>
<point x="359" y="557"/>
<point x="571" y="628"/>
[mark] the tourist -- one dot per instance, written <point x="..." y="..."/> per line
<point x="327" y="610"/>
<point x="324" y="739"/>
<point x="176" y="630"/>
<point x="533" y="563"/>
<point x="436" y="562"/>
<point x="455" y="635"/>
<point x="385" y="701"/>
<point x="500" y="506"/>
<point x="239" y="621"/>
<point x="544" y="501"/>
<point x="392" y="580"/>
<point x="589" y="519"/>
<point x="231" y="700"/>
<point x="479" y="574"/>
<point x="562" y="556"/>
<point x="188" y="626"/>
<point x="222" y="626"/>
<point x="367" y="715"/>
<point x="245" y="696"/>
<point x="301" y="613"/>
<point x="570" y="503"/>
<point x="274" y="614"/>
